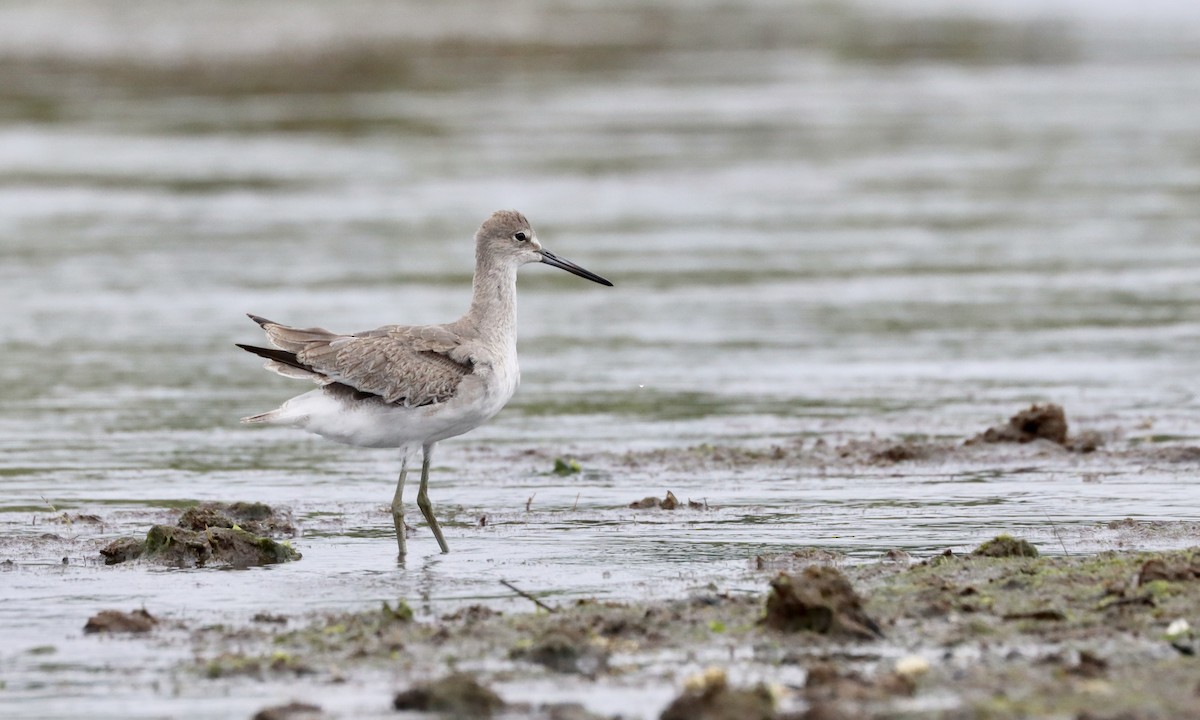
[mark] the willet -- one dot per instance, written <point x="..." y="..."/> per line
<point x="406" y="387"/>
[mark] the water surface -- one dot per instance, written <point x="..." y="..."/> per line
<point x="823" y="224"/>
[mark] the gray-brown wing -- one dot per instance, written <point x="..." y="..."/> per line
<point x="414" y="365"/>
<point x="396" y="368"/>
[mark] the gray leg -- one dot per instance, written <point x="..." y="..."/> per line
<point x="423" y="499"/>
<point x="398" y="505"/>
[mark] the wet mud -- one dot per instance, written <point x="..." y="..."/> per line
<point x="1002" y="630"/>
<point x="1040" y="430"/>
<point x="975" y="635"/>
<point x="232" y="534"/>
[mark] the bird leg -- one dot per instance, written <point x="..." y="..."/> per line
<point x="423" y="499"/>
<point x="398" y="505"/>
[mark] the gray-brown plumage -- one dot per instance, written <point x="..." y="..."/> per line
<point x="412" y="386"/>
<point x="410" y="366"/>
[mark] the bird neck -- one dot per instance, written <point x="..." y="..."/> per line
<point x="494" y="302"/>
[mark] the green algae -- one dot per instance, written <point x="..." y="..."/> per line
<point x="211" y="534"/>
<point x="1006" y="546"/>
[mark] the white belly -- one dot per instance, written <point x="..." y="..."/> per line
<point x="373" y="423"/>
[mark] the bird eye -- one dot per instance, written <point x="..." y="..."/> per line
<point x="521" y="237"/>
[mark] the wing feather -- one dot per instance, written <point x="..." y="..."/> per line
<point x="405" y="365"/>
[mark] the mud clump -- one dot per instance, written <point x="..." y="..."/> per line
<point x="229" y="546"/>
<point x="1006" y="546"/>
<point x="670" y="502"/>
<point x="253" y="517"/>
<point x="115" y="621"/>
<point x="820" y="600"/>
<point x="1172" y="570"/>
<point x="1040" y="422"/>
<point x="711" y="698"/>
<point x="1045" y="422"/>
<point x="211" y="534"/>
<point x="565" y="652"/>
<point x="123" y="550"/>
<point x="458" y="696"/>
<point x="291" y="711"/>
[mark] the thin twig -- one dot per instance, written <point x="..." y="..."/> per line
<point x="1054" y="529"/>
<point x="529" y="501"/>
<point x="576" y="505"/>
<point x="66" y="518"/>
<point x="527" y="596"/>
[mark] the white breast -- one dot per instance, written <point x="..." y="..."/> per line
<point x="373" y="423"/>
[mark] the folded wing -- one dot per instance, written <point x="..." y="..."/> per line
<point x="411" y="366"/>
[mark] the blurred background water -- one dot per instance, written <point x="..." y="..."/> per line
<point x="825" y="220"/>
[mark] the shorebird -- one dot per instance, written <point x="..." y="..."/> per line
<point x="412" y="386"/>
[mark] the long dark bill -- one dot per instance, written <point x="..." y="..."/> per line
<point x="553" y="260"/>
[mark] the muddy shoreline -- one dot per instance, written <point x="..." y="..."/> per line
<point x="1102" y="636"/>
<point x="1090" y="619"/>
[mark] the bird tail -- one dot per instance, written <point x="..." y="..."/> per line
<point x="292" y="339"/>
<point x="286" y="364"/>
<point x="267" y="417"/>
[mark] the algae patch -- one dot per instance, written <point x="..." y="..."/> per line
<point x="1006" y="546"/>
<point x="567" y="466"/>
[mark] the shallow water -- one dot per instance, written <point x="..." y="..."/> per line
<point x="821" y="225"/>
